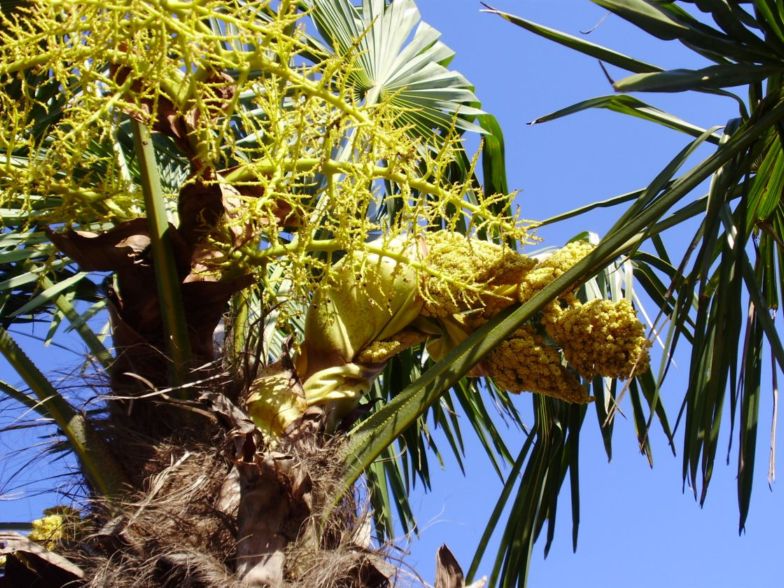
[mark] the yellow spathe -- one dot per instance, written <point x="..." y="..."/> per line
<point x="369" y="297"/>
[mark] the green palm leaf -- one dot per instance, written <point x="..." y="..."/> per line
<point x="101" y="469"/>
<point x="399" y="61"/>
<point x="630" y="106"/>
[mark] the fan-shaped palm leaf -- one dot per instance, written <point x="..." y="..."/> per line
<point x="400" y="61"/>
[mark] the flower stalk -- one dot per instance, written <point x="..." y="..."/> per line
<point x="166" y="274"/>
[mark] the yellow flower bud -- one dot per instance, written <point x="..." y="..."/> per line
<point x="524" y="362"/>
<point x="467" y="273"/>
<point x="602" y="337"/>
<point x="552" y="267"/>
<point x="58" y="524"/>
<point x="380" y="352"/>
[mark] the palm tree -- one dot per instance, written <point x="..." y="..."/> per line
<point x="193" y="166"/>
<point x="290" y="176"/>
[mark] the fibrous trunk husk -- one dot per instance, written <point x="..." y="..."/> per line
<point x="224" y="509"/>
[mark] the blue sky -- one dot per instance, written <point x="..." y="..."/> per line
<point x="637" y="527"/>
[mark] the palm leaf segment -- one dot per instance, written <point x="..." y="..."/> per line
<point x="410" y="77"/>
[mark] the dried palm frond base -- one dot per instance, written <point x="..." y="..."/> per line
<point x="169" y="533"/>
<point x="208" y="517"/>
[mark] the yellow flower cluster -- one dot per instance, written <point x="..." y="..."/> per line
<point x="47" y="530"/>
<point x="301" y="163"/>
<point x="58" y="523"/>
<point x="552" y="267"/>
<point x="464" y="274"/>
<point x="599" y="338"/>
<point x="383" y="351"/>
<point x="524" y="362"/>
<point x="603" y="338"/>
<point x="396" y="294"/>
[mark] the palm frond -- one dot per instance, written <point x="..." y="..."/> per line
<point x="720" y="293"/>
<point x="101" y="469"/>
<point x="399" y="61"/>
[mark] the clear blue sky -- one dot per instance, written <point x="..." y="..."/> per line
<point x="637" y="528"/>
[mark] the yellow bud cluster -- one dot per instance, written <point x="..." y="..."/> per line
<point x="47" y="530"/>
<point x="552" y="267"/>
<point x="603" y="338"/>
<point x="468" y="280"/>
<point x="57" y="524"/>
<point x="380" y="351"/>
<point x="464" y="274"/>
<point x="383" y="351"/>
<point x="442" y="288"/>
<point x="525" y="362"/>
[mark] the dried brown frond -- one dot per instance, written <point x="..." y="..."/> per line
<point x="171" y="533"/>
<point x="336" y="552"/>
<point x="181" y="528"/>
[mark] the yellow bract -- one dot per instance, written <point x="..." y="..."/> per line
<point x="276" y="400"/>
<point x="368" y="297"/>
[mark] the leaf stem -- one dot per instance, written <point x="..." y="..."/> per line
<point x="94" y="344"/>
<point x="166" y="274"/>
<point x="99" y="466"/>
